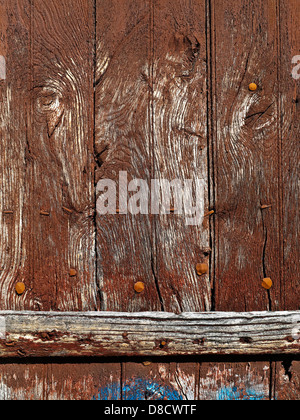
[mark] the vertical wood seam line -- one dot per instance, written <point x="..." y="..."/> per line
<point x="98" y="291"/>
<point x="210" y="51"/>
<point x="153" y="220"/>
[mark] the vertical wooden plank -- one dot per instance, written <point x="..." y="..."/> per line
<point x="286" y="384"/>
<point x="286" y="379"/>
<point x="47" y="168"/>
<point x="60" y="381"/>
<point x="288" y="22"/>
<point x="234" y="381"/>
<point x="246" y="165"/>
<point x="179" y="130"/>
<point x="19" y="382"/>
<point x="61" y="164"/>
<point x="122" y="143"/>
<point x="82" y="381"/>
<point x="14" y="102"/>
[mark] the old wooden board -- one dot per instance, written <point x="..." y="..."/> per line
<point x="148" y="334"/>
<point x="47" y="172"/>
<point x="56" y="381"/>
<point x="159" y="89"/>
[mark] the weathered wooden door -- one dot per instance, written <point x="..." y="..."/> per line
<point x="165" y="90"/>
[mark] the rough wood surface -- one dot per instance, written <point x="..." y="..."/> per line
<point x="246" y="161"/>
<point x="235" y="381"/>
<point x="151" y="122"/>
<point x="122" y="143"/>
<point x="148" y="334"/>
<point x="179" y="141"/>
<point x="289" y="126"/>
<point x="47" y="167"/>
<point x="54" y="381"/>
<point x="170" y="99"/>
<point x="286" y="380"/>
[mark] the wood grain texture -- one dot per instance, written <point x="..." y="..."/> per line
<point x="14" y="103"/>
<point x="122" y="143"/>
<point x="54" y="381"/>
<point x="159" y="381"/>
<point x="47" y="156"/>
<point x="288" y="20"/>
<point x="286" y="383"/>
<point x="234" y="381"/>
<point x="144" y="117"/>
<point x="179" y="124"/>
<point x="246" y="153"/>
<point x="61" y="156"/>
<point x="30" y="334"/>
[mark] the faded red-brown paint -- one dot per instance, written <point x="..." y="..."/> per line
<point x="94" y="87"/>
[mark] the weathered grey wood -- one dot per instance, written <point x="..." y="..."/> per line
<point x="30" y="334"/>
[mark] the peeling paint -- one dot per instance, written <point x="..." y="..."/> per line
<point x="2" y="68"/>
<point x="138" y="389"/>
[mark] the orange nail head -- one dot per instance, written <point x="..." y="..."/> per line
<point x="20" y="288"/>
<point x="73" y="272"/>
<point x="253" y="87"/>
<point x="201" y="269"/>
<point x="139" y="287"/>
<point x="267" y="283"/>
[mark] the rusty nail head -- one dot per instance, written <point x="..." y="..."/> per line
<point x="253" y="87"/>
<point x="202" y="269"/>
<point x="20" y="288"/>
<point x="73" y="272"/>
<point x="267" y="283"/>
<point x="139" y="287"/>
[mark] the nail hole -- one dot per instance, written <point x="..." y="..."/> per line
<point x="246" y="340"/>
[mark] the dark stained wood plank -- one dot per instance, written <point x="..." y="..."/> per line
<point x="62" y="382"/>
<point x="14" y="103"/>
<point x="83" y="381"/>
<point x="286" y="383"/>
<point x="60" y="170"/>
<point x="246" y="154"/>
<point x="47" y="165"/>
<point x="234" y="381"/>
<point x="289" y="292"/>
<point x="20" y="382"/>
<point x="122" y="143"/>
<point x="179" y="131"/>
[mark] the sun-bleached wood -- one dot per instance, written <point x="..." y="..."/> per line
<point x="32" y="334"/>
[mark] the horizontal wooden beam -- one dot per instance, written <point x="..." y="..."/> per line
<point x="102" y="334"/>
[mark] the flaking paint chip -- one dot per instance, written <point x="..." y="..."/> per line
<point x="2" y="68"/>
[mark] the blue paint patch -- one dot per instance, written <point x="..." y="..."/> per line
<point x="137" y="389"/>
<point x="233" y="393"/>
<point x="111" y="392"/>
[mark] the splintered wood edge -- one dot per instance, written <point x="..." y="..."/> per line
<point x="106" y="334"/>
